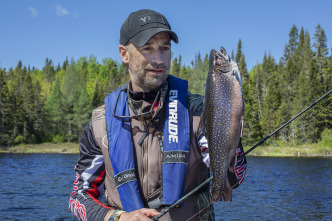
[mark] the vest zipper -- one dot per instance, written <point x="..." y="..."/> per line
<point x="145" y="159"/>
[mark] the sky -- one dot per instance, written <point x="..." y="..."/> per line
<point x="33" y="30"/>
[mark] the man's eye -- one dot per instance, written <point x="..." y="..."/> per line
<point x="147" y="49"/>
<point x="165" y="48"/>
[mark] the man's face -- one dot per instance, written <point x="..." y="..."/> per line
<point x="149" y="65"/>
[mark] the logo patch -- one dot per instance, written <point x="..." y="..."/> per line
<point x="175" y="157"/>
<point x="125" y="177"/>
<point x="173" y="116"/>
<point x="150" y="18"/>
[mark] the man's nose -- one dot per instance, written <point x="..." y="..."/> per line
<point x="158" y="58"/>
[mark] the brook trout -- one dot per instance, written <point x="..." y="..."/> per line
<point x="222" y="120"/>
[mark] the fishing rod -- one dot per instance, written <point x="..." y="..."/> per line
<point x="167" y="209"/>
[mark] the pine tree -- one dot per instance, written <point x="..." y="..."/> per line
<point x="252" y="130"/>
<point x="82" y="113"/>
<point x="48" y="70"/>
<point x="323" y="77"/>
<point x="291" y="46"/>
<point x="175" y="67"/>
<point x="185" y="72"/>
<point x="5" y="110"/>
<point x="97" y="99"/>
<point x="54" y="111"/>
<point x="65" y="63"/>
<point x="238" y="52"/>
<point x="197" y="76"/>
<point x="71" y="88"/>
<point x="243" y="69"/>
<point x="28" y="109"/>
<point x="16" y="99"/>
<point x="271" y="96"/>
<point x="321" y="52"/>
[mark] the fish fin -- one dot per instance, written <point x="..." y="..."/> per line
<point x="241" y="131"/>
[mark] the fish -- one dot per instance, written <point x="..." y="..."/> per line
<point x="222" y="120"/>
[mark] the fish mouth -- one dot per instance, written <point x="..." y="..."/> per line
<point x="220" y="60"/>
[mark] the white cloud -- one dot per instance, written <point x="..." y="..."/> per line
<point x="33" y="11"/>
<point x="60" y="11"/>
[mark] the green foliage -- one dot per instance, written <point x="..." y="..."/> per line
<point x="19" y="139"/>
<point x="58" y="139"/>
<point x="198" y="76"/>
<point x="55" y="103"/>
<point x="326" y="137"/>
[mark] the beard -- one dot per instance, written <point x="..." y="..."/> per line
<point x="145" y="80"/>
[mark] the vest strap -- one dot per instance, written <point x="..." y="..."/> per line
<point x="175" y="149"/>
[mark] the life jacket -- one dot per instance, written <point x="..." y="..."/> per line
<point x="175" y="148"/>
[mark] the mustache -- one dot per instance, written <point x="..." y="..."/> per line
<point x="156" y="66"/>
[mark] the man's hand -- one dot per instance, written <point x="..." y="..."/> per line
<point x="139" y="215"/>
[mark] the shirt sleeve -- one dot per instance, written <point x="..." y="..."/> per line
<point x="240" y="170"/>
<point x="88" y="187"/>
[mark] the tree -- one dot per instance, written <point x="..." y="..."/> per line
<point x="5" y="110"/>
<point x="97" y="99"/>
<point x="48" y="70"/>
<point x="323" y="75"/>
<point x="292" y="44"/>
<point x="82" y="112"/>
<point x="175" y="67"/>
<point x="199" y="73"/>
<point x="238" y="52"/>
<point x="54" y="108"/>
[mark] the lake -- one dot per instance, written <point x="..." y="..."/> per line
<point x="38" y="186"/>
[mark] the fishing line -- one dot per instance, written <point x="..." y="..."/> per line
<point x="306" y="123"/>
<point x="200" y="211"/>
<point x="210" y="202"/>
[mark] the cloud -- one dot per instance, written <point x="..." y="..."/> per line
<point x="60" y="11"/>
<point x="33" y="11"/>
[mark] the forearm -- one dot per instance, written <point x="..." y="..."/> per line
<point x="89" y="183"/>
<point x="86" y="208"/>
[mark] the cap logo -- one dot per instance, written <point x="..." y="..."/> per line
<point x="150" y="18"/>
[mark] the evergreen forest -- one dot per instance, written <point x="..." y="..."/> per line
<point x="55" y="103"/>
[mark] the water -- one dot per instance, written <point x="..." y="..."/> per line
<point x="38" y="186"/>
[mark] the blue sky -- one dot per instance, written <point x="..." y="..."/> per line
<point x="32" y="30"/>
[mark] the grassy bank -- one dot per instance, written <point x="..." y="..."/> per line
<point x="287" y="150"/>
<point x="43" y="148"/>
<point x="279" y="151"/>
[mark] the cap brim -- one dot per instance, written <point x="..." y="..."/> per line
<point x="144" y="36"/>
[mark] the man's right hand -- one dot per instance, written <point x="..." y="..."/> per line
<point x="139" y="215"/>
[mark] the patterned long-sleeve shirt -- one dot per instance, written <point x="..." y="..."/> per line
<point x="85" y="200"/>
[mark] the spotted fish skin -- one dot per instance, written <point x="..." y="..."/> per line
<point x="222" y="120"/>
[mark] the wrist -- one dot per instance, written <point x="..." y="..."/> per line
<point x="114" y="215"/>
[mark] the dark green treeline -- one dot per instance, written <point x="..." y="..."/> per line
<point x="55" y="103"/>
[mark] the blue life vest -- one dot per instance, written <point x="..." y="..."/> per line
<point x="175" y="149"/>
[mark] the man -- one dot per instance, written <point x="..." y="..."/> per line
<point x="144" y="147"/>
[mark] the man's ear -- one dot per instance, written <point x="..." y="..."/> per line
<point x="124" y="54"/>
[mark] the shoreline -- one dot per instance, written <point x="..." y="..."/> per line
<point x="62" y="148"/>
<point x="311" y="150"/>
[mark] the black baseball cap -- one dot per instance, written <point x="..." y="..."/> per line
<point x="142" y="25"/>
